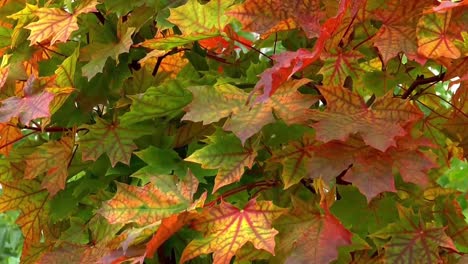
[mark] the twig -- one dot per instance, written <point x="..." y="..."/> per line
<point x="420" y="80"/>
<point x="247" y="187"/>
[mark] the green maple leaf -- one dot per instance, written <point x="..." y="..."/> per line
<point x="194" y="17"/>
<point x="66" y="70"/>
<point x="413" y="240"/>
<point x="116" y="140"/>
<point x="225" y="153"/>
<point x="98" y="53"/>
<point x="167" y="99"/>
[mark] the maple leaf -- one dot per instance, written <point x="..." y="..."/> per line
<point x="295" y="158"/>
<point x="33" y="204"/>
<point x="66" y="71"/>
<point x="338" y="66"/>
<point x="398" y="31"/>
<point x="226" y="229"/>
<point x="288" y="63"/>
<point x="170" y="42"/>
<point x="450" y="214"/>
<point x="98" y="53"/>
<point x="4" y="70"/>
<point x="347" y="113"/>
<point x="116" y="140"/>
<point x="434" y="38"/>
<point x="162" y="197"/>
<point x="8" y="134"/>
<point x="53" y="158"/>
<point x="166" y="99"/>
<point x="307" y="236"/>
<point x="280" y="15"/>
<point x="412" y="240"/>
<point x="226" y="100"/>
<point x="56" y="24"/>
<point x="371" y="169"/>
<point x="194" y="17"/>
<point x="225" y="153"/>
<point x="456" y="125"/>
<point x="27" y="108"/>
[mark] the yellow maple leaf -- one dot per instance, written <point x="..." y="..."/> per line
<point x="56" y="24"/>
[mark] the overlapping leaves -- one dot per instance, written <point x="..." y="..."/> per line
<point x="105" y="105"/>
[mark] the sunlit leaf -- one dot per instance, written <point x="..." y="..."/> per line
<point x="261" y="16"/>
<point x="27" y="108"/>
<point x="161" y="198"/>
<point x="56" y="24"/>
<point x="52" y="158"/>
<point x="194" y="17"/>
<point x="226" y="229"/>
<point x="8" y="134"/>
<point x="434" y="38"/>
<point x="225" y="153"/>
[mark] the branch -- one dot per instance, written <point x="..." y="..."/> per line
<point x="52" y="129"/>
<point x="265" y="183"/>
<point x="420" y="80"/>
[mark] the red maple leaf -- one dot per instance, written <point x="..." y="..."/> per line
<point x="288" y="63"/>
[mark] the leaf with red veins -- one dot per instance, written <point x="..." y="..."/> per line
<point x="8" y="134"/>
<point x="245" y="121"/>
<point x="262" y="16"/>
<point x="116" y="140"/>
<point x="226" y="229"/>
<point x="162" y="197"/>
<point x="436" y="36"/>
<point x="397" y="33"/>
<point x="308" y="236"/>
<point x="28" y="197"/>
<point x="52" y="158"/>
<point x="295" y="158"/>
<point x="339" y="66"/>
<point x="210" y="104"/>
<point x="413" y="240"/>
<point x="28" y="108"/>
<point x="56" y="24"/>
<point x="225" y="153"/>
<point x="371" y="169"/>
<point x="347" y="113"/>
<point x="75" y="253"/>
<point x="458" y="122"/>
<point x="450" y="214"/>
<point x="288" y="63"/>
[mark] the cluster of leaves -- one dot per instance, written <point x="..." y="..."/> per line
<point x="306" y="131"/>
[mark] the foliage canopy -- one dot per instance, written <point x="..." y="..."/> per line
<point x="215" y="131"/>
